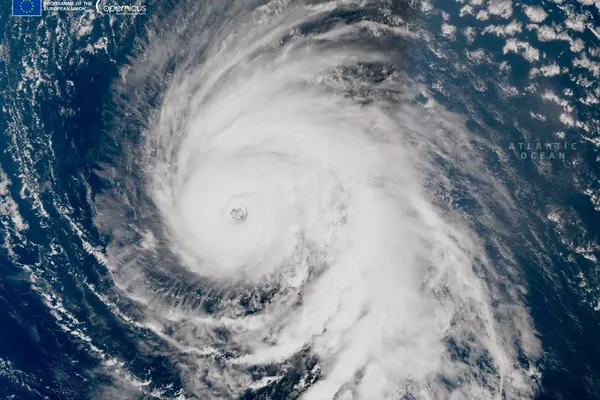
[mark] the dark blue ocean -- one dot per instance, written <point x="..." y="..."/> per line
<point x="66" y="331"/>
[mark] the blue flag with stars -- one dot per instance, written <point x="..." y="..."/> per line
<point x="27" y="8"/>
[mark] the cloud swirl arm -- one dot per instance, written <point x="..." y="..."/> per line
<point x="285" y="165"/>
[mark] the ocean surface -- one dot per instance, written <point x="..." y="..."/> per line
<point x="421" y="181"/>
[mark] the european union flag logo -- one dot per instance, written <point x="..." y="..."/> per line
<point x="27" y="8"/>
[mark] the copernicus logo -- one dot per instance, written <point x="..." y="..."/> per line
<point x="27" y="8"/>
<point x="119" y="9"/>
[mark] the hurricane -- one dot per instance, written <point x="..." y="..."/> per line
<point x="285" y="217"/>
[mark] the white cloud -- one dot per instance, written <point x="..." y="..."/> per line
<point x="449" y="31"/>
<point x="502" y="8"/>
<point x="468" y="9"/>
<point x="528" y="52"/>
<point x="576" y="22"/>
<point x="535" y="14"/>
<point x="546" y="70"/>
<point x="470" y="34"/>
<point x="511" y="29"/>
<point x="482" y="15"/>
<point x="8" y="207"/>
<point x="584" y="62"/>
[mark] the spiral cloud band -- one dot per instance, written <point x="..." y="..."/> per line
<point x="287" y="168"/>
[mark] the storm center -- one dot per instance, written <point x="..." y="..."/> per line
<point x="238" y="214"/>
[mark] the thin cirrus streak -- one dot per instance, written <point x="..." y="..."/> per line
<point x="279" y="208"/>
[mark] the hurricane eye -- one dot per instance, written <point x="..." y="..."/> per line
<point x="238" y="214"/>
